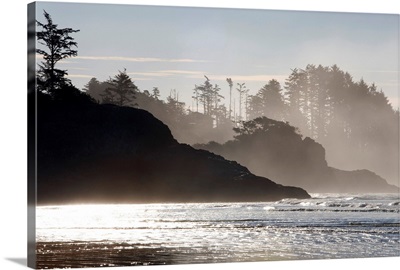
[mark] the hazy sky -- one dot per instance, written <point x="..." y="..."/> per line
<point x="173" y="47"/>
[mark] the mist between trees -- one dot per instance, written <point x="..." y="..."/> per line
<point x="353" y="121"/>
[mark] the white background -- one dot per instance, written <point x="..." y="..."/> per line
<point x="13" y="131"/>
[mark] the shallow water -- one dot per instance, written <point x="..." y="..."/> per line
<point x="325" y="226"/>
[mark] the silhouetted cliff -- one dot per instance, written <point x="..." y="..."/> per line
<point x="104" y="153"/>
<point x="276" y="150"/>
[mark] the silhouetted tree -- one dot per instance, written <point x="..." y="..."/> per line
<point x="156" y="93"/>
<point x="242" y="90"/>
<point x="246" y="104"/>
<point x="298" y="100"/>
<point x="221" y="116"/>
<point x="208" y="95"/>
<point x="339" y="84"/>
<point x="264" y="125"/>
<point x="59" y="44"/>
<point x="216" y="96"/>
<point x="175" y="108"/>
<point x="273" y="105"/>
<point x="121" y="90"/>
<point x="256" y="106"/>
<point x="230" y="83"/>
<point x="318" y="99"/>
<point x="196" y="96"/>
<point x="95" y="89"/>
<point x="217" y="110"/>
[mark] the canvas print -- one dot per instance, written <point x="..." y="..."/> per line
<point x="174" y="135"/>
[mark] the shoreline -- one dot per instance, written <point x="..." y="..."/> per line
<point x="81" y="254"/>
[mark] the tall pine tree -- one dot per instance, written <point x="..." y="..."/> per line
<point x="58" y="45"/>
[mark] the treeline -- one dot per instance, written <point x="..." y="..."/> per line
<point x="354" y="121"/>
<point x="321" y="101"/>
<point x="187" y="125"/>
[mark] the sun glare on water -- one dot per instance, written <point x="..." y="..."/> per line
<point x="329" y="225"/>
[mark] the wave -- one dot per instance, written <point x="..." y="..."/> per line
<point x="245" y="224"/>
<point x="269" y="208"/>
<point x="357" y="201"/>
<point x="337" y="210"/>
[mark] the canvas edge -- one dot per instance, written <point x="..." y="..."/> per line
<point x="31" y="117"/>
<point x="31" y="111"/>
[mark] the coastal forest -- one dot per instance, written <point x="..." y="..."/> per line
<point x="352" y="120"/>
<point x="320" y="130"/>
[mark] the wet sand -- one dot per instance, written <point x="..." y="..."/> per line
<point x="100" y="254"/>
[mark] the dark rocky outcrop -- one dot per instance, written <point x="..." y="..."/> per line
<point x="276" y="150"/>
<point x="361" y="181"/>
<point x="104" y="153"/>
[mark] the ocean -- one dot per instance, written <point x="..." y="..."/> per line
<point x="327" y="226"/>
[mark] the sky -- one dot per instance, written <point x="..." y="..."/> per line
<point x="174" y="47"/>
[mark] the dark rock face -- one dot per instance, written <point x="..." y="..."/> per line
<point x="105" y="153"/>
<point x="284" y="156"/>
<point x="362" y="181"/>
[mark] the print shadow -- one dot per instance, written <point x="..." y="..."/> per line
<point x="20" y="261"/>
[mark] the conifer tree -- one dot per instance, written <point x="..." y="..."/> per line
<point x="121" y="90"/>
<point x="58" y="45"/>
